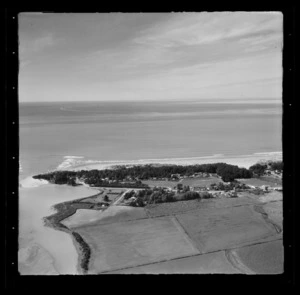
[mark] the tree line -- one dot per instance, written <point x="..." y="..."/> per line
<point x="135" y="174"/>
<point x="161" y="195"/>
<point x="259" y="169"/>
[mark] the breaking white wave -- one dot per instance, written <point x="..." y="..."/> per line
<point x="269" y="153"/>
<point x="30" y="182"/>
<point x="70" y="161"/>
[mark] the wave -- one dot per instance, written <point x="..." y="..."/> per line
<point x="269" y="153"/>
<point x="30" y="182"/>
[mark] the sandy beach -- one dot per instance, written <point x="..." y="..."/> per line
<point x="79" y="163"/>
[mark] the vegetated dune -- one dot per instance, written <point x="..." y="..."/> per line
<point x="126" y="244"/>
<point x="210" y="263"/>
<point x="111" y="214"/>
<point x="266" y="258"/>
<point x="221" y="228"/>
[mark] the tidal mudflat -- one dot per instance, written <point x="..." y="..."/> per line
<point x="43" y="250"/>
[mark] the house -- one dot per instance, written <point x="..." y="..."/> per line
<point x="265" y="188"/>
<point x="200" y="188"/>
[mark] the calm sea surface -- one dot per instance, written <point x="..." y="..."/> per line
<point x="106" y="131"/>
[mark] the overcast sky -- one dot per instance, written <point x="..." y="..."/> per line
<point x="145" y="56"/>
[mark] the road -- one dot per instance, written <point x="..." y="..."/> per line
<point x="120" y="199"/>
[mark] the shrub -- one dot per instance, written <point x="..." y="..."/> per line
<point x="276" y="165"/>
<point x="258" y="169"/>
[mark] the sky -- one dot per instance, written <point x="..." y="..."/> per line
<point x="150" y="56"/>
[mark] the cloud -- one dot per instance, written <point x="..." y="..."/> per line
<point x="43" y="42"/>
<point x="29" y="47"/>
<point x="206" y="28"/>
<point x="174" y="55"/>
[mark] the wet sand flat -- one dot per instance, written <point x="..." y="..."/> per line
<point x="200" y="264"/>
<point x="35" y="260"/>
<point x="266" y="258"/>
<point x="221" y="228"/>
<point x="132" y="243"/>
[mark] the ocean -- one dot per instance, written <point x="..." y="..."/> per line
<point x="53" y="133"/>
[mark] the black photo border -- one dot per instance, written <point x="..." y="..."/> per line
<point x="12" y="278"/>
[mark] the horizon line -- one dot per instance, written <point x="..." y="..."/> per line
<point x="157" y="100"/>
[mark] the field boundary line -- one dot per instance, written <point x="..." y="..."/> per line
<point x="180" y="227"/>
<point x="187" y="256"/>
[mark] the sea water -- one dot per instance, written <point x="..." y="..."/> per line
<point x="112" y="131"/>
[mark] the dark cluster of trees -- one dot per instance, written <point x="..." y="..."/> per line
<point x="92" y="178"/>
<point x="134" y="175"/>
<point x="161" y="195"/>
<point x="229" y="173"/>
<point x="259" y="169"/>
<point x="277" y="165"/>
<point x="227" y="187"/>
<point x="152" y="196"/>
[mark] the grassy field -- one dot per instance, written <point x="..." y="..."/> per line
<point x="201" y="181"/>
<point x="127" y="244"/>
<point x="273" y="179"/>
<point x="201" y="264"/>
<point x="274" y="211"/>
<point x="164" y="209"/>
<point x="161" y="183"/>
<point x="220" y="228"/>
<point x="266" y="258"/>
<point x="259" y="182"/>
<point x="112" y="193"/>
<point x="109" y="215"/>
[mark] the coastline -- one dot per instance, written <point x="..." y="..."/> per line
<point x="65" y="209"/>
<point x="82" y="248"/>
<point x="75" y="163"/>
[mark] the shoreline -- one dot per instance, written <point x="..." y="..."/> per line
<point x="65" y="209"/>
<point x="74" y="163"/>
<point x="53" y="221"/>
